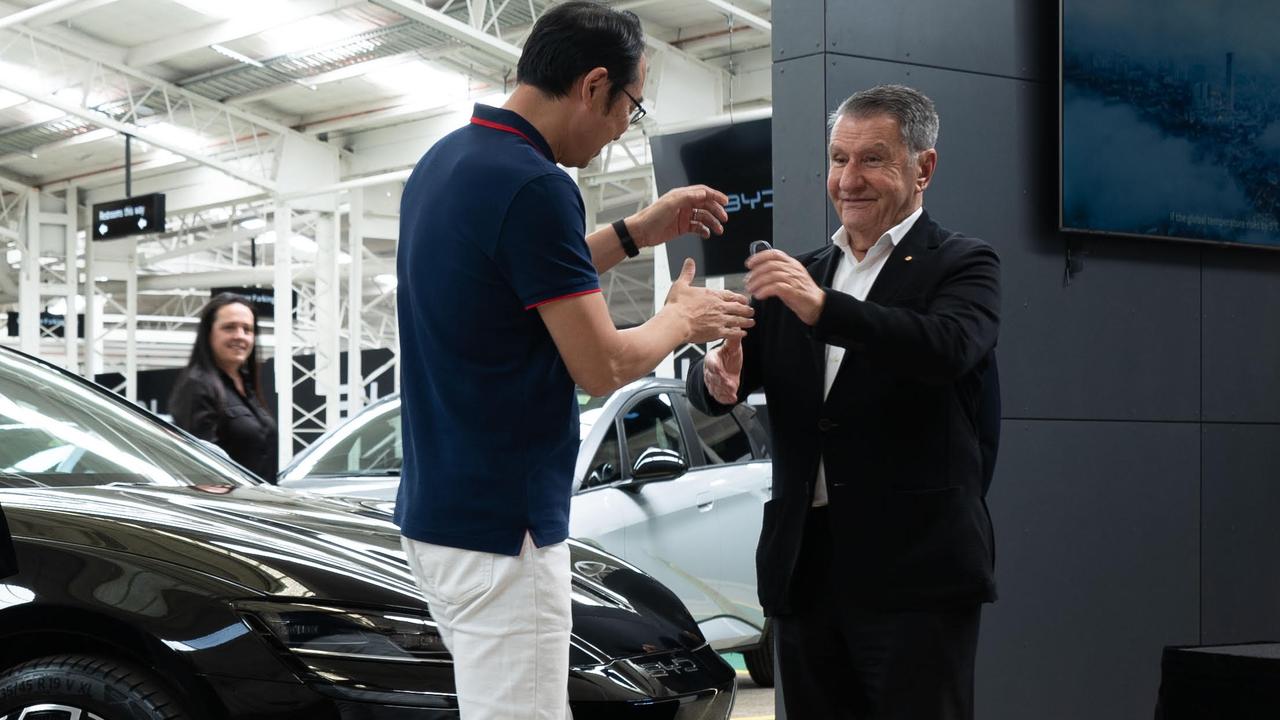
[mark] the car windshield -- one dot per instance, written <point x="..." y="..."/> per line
<point x="57" y="430"/>
<point x="369" y="444"/>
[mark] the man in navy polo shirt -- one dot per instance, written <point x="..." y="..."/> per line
<point x="500" y="315"/>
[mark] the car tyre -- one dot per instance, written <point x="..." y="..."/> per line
<point x="760" y="659"/>
<point x="80" y="687"/>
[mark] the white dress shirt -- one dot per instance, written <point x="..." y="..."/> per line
<point x="855" y="277"/>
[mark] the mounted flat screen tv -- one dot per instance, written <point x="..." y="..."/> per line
<point x="1171" y="119"/>
<point x="735" y="159"/>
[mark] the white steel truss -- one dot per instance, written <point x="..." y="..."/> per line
<point x="472" y="34"/>
<point x="120" y="98"/>
<point x="47" y="270"/>
<point x="13" y="208"/>
<point x="334" y="314"/>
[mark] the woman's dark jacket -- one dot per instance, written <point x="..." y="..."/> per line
<point x="207" y="405"/>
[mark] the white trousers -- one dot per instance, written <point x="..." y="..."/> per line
<point x="505" y="621"/>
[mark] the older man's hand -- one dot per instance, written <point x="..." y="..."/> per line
<point x="693" y="209"/>
<point x="773" y="273"/>
<point x="722" y="371"/>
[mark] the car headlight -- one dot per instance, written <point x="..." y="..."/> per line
<point x="322" y="630"/>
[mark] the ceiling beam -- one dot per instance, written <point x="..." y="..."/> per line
<point x="141" y="133"/>
<point x="219" y="240"/>
<point x="490" y="45"/>
<point x="749" y="18"/>
<point x="182" y="105"/>
<point x="662" y="46"/>
<point x="65" y="35"/>
<point x="742" y="39"/>
<point x="31" y="13"/>
<point x="268" y="15"/>
<point x="13" y="186"/>
<point x="80" y="8"/>
<point x="361" y="117"/>
<point x="258" y="275"/>
<point x="633" y="4"/>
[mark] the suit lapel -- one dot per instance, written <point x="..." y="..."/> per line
<point x="897" y="268"/>
<point x="893" y="277"/>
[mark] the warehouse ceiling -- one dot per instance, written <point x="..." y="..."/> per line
<point x="218" y="98"/>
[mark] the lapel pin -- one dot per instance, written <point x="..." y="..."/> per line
<point x="906" y="259"/>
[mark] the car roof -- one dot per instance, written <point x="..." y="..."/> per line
<point x="385" y="403"/>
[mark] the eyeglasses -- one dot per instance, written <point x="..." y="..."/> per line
<point x="639" y="112"/>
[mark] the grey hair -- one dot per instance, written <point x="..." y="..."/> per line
<point x="914" y="112"/>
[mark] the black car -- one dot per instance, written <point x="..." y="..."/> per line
<point x="158" y="581"/>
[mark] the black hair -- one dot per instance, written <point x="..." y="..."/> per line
<point x="572" y="38"/>
<point x="202" y="361"/>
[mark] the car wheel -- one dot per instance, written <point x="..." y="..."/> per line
<point x="759" y="660"/>
<point x="79" y="687"/>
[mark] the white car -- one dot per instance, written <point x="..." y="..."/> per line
<point x="658" y="483"/>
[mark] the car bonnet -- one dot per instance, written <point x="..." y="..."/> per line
<point x="274" y="542"/>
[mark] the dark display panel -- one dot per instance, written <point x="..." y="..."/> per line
<point x="736" y="160"/>
<point x="1171" y="119"/>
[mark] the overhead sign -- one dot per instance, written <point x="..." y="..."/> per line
<point x="137" y="215"/>
<point x="263" y="299"/>
<point x="55" y="324"/>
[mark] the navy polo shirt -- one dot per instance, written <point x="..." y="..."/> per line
<point x="490" y="228"/>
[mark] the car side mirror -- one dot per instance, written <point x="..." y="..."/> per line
<point x="656" y="465"/>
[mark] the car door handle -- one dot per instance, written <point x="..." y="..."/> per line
<point x="705" y="502"/>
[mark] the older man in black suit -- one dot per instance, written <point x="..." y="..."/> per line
<point x="876" y="357"/>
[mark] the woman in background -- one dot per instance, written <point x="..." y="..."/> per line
<point x="218" y="397"/>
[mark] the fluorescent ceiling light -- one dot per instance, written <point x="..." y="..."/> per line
<point x="178" y="136"/>
<point x="228" y="52"/>
<point x="91" y="136"/>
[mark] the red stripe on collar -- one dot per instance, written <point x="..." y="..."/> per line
<point x="506" y="128"/>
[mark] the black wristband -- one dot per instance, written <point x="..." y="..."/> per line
<point x="624" y="237"/>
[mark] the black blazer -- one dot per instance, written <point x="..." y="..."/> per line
<point x="208" y="406"/>
<point x="908" y="432"/>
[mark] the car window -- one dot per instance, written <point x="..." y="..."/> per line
<point x="722" y="439"/>
<point x="374" y="449"/>
<point x="652" y="423"/>
<point x="606" y="466"/>
<point x="370" y="444"/>
<point x="56" y="430"/>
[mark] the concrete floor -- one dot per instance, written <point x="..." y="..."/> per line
<point x="752" y="702"/>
